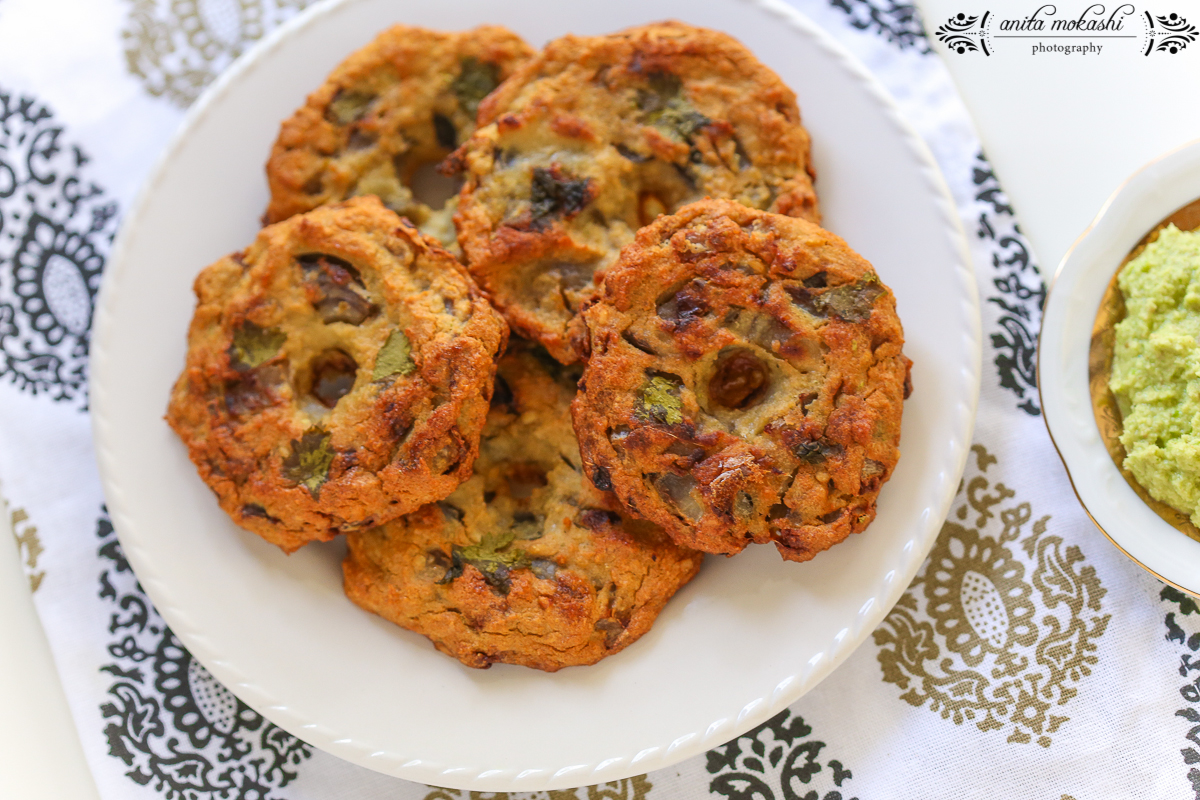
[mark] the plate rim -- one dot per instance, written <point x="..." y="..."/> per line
<point x="791" y="688"/>
<point x="1073" y="269"/>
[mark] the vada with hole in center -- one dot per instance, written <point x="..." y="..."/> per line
<point x="745" y="383"/>
<point x="337" y="375"/>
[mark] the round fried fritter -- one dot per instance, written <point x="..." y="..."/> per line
<point x="745" y="383"/>
<point x="526" y="563"/>
<point x="596" y="137"/>
<point x="338" y="374"/>
<point x="385" y="118"/>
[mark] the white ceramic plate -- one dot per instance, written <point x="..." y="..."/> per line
<point x="1147" y="197"/>
<point x="741" y="642"/>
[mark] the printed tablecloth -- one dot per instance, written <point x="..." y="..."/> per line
<point x="1028" y="658"/>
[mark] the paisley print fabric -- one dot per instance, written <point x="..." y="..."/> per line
<point x="1026" y="648"/>
<point x="56" y="226"/>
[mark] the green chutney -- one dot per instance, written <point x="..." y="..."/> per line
<point x="1156" y="369"/>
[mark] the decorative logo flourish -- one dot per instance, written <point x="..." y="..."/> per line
<point x="1000" y="626"/>
<point x="1172" y="34"/>
<point x="964" y="34"/>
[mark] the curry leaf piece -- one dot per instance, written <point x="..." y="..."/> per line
<point x="854" y="303"/>
<point x="851" y="302"/>
<point x="309" y="462"/>
<point x="348" y="106"/>
<point x="490" y="558"/>
<point x="816" y="452"/>
<point x="395" y="357"/>
<point x="476" y="80"/>
<point x="554" y="193"/>
<point x="660" y="401"/>
<point x="667" y="108"/>
<point x="254" y="346"/>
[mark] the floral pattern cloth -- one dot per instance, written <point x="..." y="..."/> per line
<point x="1027" y="654"/>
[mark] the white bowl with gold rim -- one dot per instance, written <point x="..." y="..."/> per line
<point x="1074" y="356"/>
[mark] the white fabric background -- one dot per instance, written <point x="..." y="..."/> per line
<point x="1122" y="738"/>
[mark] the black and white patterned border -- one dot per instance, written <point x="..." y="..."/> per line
<point x="56" y="227"/>
<point x="778" y="760"/>
<point x="175" y="728"/>
<point x="1189" y="669"/>
<point x="898" y="23"/>
<point x="1016" y="289"/>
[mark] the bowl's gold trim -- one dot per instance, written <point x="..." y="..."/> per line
<point x="1049" y="290"/>
<point x="1100" y="358"/>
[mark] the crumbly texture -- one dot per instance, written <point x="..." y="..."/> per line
<point x="338" y="374"/>
<point x="596" y="137"/>
<point x="745" y="383"/>
<point x="385" y="118"/>
<point x="526" y="563"/>
<point x="1156" y="369"/>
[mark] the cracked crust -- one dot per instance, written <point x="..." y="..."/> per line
<point x="746" y="382"/>
<point x="526" y="563"/>
<point x="389" y="113"/>
<point x="338" y="374"/>
<point x="598" y="135"/>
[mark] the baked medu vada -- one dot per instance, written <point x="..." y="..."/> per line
<point x="526" y="562"/>
<point x="593" y="139"/>
<point x="746" y="382"/>
<point x="338" y="374"/>
<point x="385" y="118"/>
